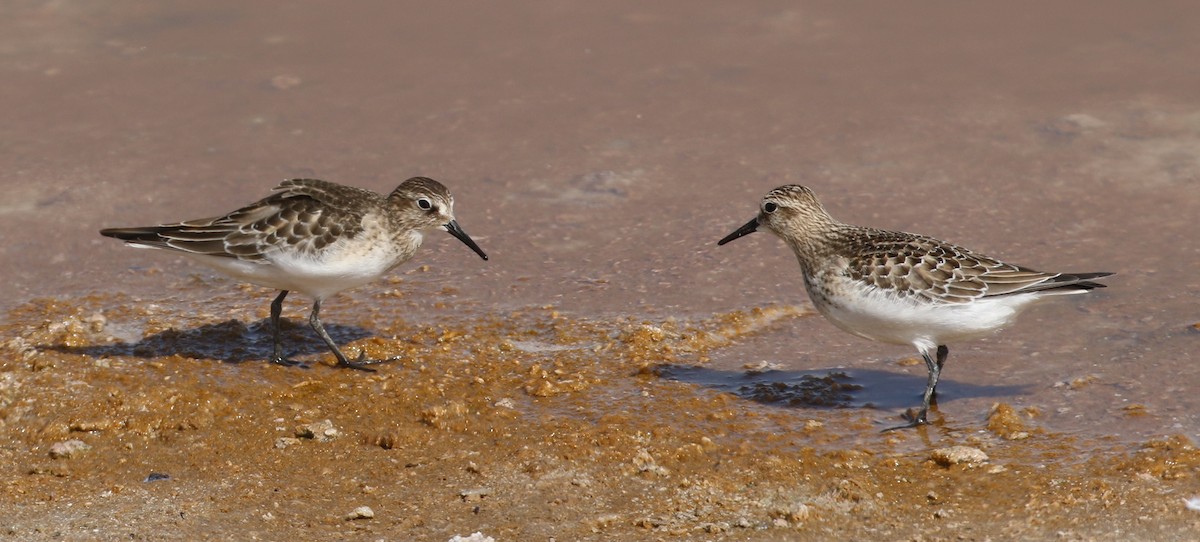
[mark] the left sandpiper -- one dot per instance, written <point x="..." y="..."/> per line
<point x="314" y="237"/>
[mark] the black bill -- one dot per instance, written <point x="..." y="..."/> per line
<point x="749" y="228"/>
<point x="458" y="232"/>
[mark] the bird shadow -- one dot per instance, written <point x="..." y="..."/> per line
<point x="231" y="341"/>
<point x="828" y="388"/>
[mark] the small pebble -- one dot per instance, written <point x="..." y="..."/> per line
<point x="284" y="82"/>
<point x="644" y="462"/>
<point x="474" y="495"/>
<point x="1084" y="121"/>
<point x="362" y="512"/>
<point x="955" y="455"/>
<point x="90" y="426"/>
<point x="798" y="514"/>
<point x="474" y="537"/>
<point x="156" y="476"/>
<point x="68" y="449"/>
<point x="321" y="431"/>
<point x="604" y="522"/>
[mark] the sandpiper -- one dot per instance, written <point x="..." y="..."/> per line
<point x="903" y="288"/>
<point x="314" y="237"/>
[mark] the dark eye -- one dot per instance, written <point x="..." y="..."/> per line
<point x="769" y="207"/>
<point x="425" y="204"/>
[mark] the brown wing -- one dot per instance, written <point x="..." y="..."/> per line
<point x="303" y="214"/>
<point x="915" y="265"/>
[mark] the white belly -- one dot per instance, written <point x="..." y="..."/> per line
<point x="872" y="314"/>
<point x="338" y="267"/>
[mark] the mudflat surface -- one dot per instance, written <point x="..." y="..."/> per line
<point x="610" y="374"/>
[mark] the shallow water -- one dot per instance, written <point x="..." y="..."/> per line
<point x="597" y="152"/>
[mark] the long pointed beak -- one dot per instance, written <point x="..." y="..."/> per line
<point x="749" y="228"/>
<point x="456" y="231"/>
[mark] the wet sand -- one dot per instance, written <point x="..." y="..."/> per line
<point x="610" y="374"/>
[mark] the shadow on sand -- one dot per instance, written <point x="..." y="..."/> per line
<point x="829" y="388"/>
<point x="230" y="341"/>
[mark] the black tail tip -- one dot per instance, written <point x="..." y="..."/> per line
<point x="1085" y="280"/>
<point x="129" y="234"/>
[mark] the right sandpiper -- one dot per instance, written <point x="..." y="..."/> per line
<point x="903" y="288"/>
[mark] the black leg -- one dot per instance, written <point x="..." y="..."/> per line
<point x="276" y="331"/>
<point x="360" y="363"/>
<point x="935" y="371"/>
<point x="942" y="353"/>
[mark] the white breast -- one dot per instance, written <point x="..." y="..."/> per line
<point x="875" y="314"/>
<point x="340" y="266"/>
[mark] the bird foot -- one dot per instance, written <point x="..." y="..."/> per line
<point x="916" y="418"/>
<point x="281" y="360"/>
<point x="361" y="362"/>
